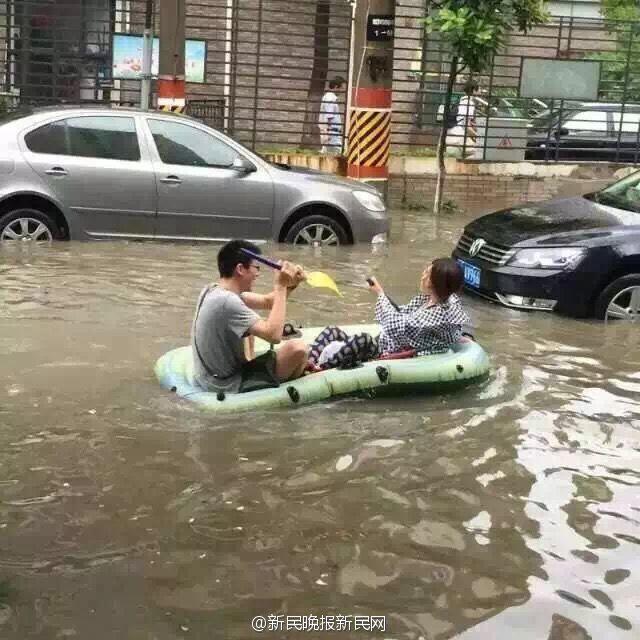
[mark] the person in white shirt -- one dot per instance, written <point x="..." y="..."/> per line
<point x="330" y="120"/>
<point x="464" y="132"/>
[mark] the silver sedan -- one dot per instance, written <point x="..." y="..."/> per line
<point x="107" y="173"/>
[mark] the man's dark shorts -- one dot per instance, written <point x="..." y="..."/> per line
<point x="259" y="373"/>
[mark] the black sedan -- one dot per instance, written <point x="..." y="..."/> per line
<point x="578" y="256"/>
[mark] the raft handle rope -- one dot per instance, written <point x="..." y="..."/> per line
<point x="293" y="394"/>
<point x="383" y="374"/>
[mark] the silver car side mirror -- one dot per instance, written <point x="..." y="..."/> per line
<point x="242" y="165"/>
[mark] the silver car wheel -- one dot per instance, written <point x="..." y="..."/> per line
<point x="317" y="235"/>
<point x="27" y="229"/>
<point x="625" y="306"/>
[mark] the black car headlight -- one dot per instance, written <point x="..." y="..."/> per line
<point x="551" y="258"/>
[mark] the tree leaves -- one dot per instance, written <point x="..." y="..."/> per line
<point x="476" y="31"/>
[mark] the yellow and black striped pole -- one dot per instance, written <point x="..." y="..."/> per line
<point x="369" y="136"/>
<point x="173" y="108"/>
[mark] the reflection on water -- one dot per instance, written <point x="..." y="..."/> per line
<point x="509" y="508"/>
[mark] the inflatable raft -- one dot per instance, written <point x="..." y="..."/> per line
<point x="463" y="364"/>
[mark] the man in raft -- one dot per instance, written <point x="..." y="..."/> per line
<point x="226" y="322"/>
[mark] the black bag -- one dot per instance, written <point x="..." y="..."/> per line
<point x="259" y="373"/>
<point x="452" y="120"/>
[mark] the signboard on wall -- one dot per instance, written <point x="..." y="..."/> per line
<point x="559" y="79"/>
<point x="127" y="58"/>
<point x="380" y="28"/>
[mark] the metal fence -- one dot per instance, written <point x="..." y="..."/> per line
<point x="503" y="125"/>
<point x="258" y="68"/>
<point x="255" y="68"/>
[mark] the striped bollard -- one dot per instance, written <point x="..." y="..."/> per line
<point x="369" y="135"/>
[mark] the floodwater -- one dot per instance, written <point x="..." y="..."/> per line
<point x="511" y="509"/>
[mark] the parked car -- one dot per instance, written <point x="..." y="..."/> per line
<point x="586" y="131"/>
<point x="578" y="256"/>
<point x="106" y="173"/>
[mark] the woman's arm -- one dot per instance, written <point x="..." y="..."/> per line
<point x="391" y="320"/>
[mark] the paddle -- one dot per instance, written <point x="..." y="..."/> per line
<point x="314" y="278"/>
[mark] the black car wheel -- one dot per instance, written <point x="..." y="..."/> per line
<point x="317" y="231"/>
<point x="29" y="225"/>
<point x="620" y="300"/>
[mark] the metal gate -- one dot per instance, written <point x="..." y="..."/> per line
<point x="255" y="68"/>
<point x="258" y="68"/>
<point x="507" y="126"/>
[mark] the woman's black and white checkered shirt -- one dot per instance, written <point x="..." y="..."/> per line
<point x="427" y="329"/>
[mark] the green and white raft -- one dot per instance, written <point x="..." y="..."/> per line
<point x="463" y="364"/>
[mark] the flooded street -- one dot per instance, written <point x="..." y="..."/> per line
<point x="511" y="509"/>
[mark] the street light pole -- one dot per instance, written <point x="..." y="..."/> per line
<point x="147" y="53"/>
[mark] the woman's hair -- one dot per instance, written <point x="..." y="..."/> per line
<point x="446" y="277"/>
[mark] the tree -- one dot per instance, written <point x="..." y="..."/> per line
<point x="620" y="68"/>
<point x="319" y="71"/>
<point x="475" y="31"/>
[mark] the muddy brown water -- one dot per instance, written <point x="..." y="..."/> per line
<point x="511" y="509"/>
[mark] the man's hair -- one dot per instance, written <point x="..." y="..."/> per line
<point x="446" y="277"/>
<point x="230" y="256"/>
<point x="471" y="86"/>
<point x="336" y="82"/>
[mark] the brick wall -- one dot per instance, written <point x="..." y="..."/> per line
<point x="407" y="58"/>
<point x="270" y="47"/>
<point x="467" y="191"/>
<point x="274" y="66"/>
<point x="272" y="59"/>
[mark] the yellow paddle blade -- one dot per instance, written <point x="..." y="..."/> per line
<point x="320" y="279"/>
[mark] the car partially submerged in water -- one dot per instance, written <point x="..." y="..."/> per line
<point x="108" y="173"/>
<point x="578" y="256"/>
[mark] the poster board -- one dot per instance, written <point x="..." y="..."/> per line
<point x="127" y="58"/>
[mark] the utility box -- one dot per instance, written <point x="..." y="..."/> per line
<point x="501" y="139"/>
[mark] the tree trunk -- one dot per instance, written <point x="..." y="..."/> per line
<point x="319" y="71"/>
<point x="442" y="142"/>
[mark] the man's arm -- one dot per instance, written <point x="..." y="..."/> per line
<point x="259" y="301"/>
<point x="264" y="302"/>
<point x="271" y="328"/>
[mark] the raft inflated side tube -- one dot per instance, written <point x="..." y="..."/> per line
<point x="465" y="363"/>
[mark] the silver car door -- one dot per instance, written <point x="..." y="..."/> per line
<point x="201" y="194"/>
<point x="97" y="168"/>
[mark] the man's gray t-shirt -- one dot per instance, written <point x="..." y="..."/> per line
<point x="218" y="328"/>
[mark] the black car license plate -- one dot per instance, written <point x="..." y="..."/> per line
<point x="471" y="274"/>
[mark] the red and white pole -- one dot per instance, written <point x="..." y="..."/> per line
<point x="370" y="101"/>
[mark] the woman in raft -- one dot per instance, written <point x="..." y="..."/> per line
<point x="430" y="323"/>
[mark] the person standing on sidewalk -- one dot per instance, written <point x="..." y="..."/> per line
<point x="330" y="119"/>
<point x="461" y="138"/>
